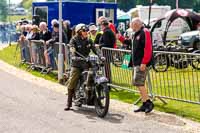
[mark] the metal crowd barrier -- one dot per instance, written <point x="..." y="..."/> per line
<point x="37" y="53"/>
<point x="120" y="75"/>
<point x="24" y="51"/>
<point x="174" y="76"/>
<point x="32" y="53"/>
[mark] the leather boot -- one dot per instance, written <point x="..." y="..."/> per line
<point x="69" y="99"/>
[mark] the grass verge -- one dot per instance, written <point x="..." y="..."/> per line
<point x="190" y="111"/>
<point x="11" y="55"/>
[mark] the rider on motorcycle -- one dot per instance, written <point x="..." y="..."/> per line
<point x="80" y="45"/>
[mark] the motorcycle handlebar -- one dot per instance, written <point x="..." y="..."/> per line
<point x="88" y="60"/>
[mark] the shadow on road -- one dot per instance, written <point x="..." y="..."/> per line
<point x="91" y="114"/>
<point x="165" y="118"/>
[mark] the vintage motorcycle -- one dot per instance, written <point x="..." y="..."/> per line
<point x="92" y="88"/>
<point x="163" y="60"/>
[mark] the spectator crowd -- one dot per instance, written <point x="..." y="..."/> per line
<point x="104" y="34"/>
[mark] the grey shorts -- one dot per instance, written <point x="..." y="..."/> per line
<point x="139" y="77"/>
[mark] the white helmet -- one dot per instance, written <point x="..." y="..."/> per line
<point x="79" y="27"/>
<point x="54" y="21"/>
<point x="92" y="28"/>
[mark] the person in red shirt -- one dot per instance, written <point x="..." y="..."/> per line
<point x="141" y="57"/>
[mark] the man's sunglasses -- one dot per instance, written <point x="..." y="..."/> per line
<point x="84" y="30"/>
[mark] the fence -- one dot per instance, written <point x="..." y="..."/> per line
<point x="174" y="75"/>
<point x="33" y="53"/>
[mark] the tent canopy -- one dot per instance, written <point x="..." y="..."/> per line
<point x="192" y="19"/>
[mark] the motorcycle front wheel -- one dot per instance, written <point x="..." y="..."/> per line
<point x="102" y="100"/>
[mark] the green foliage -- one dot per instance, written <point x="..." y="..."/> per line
<point x="185" y="4"/>
<point x="27" y="3"/>
<point x="3" y="10"/>
<point x="128" y="4"/>
<point x="15" y="18"/>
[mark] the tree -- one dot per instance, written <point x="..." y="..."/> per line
<point x="26" y="3"/>
<point x="126" y="5"/>
<point x="122" y="4"/>
<point x="3" y="10"/>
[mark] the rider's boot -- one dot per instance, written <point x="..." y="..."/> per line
<point x="69" y="99"/>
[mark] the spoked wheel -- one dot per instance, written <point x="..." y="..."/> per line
<point x="102" y="100"/>
<point x="196" y="61"/>
<point x="180" y="61"/>
<point x="161" y="63"/>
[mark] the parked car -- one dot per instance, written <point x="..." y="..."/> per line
<point x="20" y="11"/>
<point x="190" y="39"/>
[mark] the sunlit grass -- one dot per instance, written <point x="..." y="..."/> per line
<point x="11" y="55"/>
